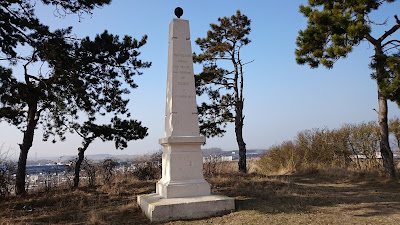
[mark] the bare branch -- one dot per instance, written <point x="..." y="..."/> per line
<point x="76" y="130"/>
<point x="223" y="58"/>
<point x="23" y="8"/>
<point x="27" y="76"/>
<point x="378" y="24"/>
<point x="391" y="31"/>
<point x="15" y="58"/>
<point x="225" y="85"/>
<point x="16" y="28"/>
<point x="248" y="62"/>
<point x="393" y="47"/>
<point x="32" y="77"/>
<point x="390" y="42"/>
<point x="73" y="38"/>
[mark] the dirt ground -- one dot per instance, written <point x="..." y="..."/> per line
<point x="259" y="199"/>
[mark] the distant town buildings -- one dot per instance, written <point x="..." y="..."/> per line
<point x="232" y="155"/>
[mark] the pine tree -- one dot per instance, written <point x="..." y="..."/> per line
<point x="333" y="29"/>
<point x="224" y="87"/>
<point x="119" y="131"/>
<point x="84" y="75"/>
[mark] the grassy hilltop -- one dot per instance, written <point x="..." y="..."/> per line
<point x="315" y="197"/>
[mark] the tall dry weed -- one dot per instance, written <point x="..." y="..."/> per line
<point x="351" y="147"/>
<point x="148" y="167"/>
<point x="213" y="166"/>
<point x="95" y="217"/>
<point x="281" y="159"/>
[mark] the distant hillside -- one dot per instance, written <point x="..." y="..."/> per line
<point x="67" y="158"/>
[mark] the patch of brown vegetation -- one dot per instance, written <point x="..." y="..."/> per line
<point x="109" y="204"/>
<point x="321" y="197"/>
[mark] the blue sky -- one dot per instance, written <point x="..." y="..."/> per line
<point x="281" y="97"/>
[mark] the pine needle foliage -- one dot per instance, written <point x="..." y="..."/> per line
<point x="222" y="78"/>
<point x="85" y="76"/>
<point x="333" y="29"/>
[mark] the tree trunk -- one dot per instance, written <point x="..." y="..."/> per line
<point x="21" y="172"/>
<point x="81" y="156"/>
<point x="24" y="147"/>
<point x="239" y="137"/>
<point x="386" y="152"/>
<point x="398" y="142"/>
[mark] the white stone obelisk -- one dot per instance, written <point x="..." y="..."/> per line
<point x="182" y="192"/>
<point x="182" y="158"/>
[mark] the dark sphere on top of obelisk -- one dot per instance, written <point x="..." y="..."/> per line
<point x="178" y="12"/>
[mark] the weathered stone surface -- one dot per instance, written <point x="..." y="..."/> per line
<point x="182" y="158"/>
<point x="160" y="209"/>
<point x="181" y="109"/>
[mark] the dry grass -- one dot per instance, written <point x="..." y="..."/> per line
<point x="318" y="198"/>
<point x="112" y="204"/>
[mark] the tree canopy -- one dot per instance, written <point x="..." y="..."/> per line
<point x="334" y="27"/>
<point x="85" y="75"/>
<point x="118" y="130"/>
<point x="223" y="82"/>
<point x="223" y="43"/>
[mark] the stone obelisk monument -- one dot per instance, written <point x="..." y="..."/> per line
<point x="182" y="192"/>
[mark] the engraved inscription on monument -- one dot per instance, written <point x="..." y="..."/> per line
<point x="183" y="68"/>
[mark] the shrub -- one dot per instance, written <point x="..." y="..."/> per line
<point x="324" y="148"/>
<point x="148" y="167"/>
<point x="280" y="159"/>
<point x="89" y="170"/>
<point x="106" y="169"/>
<point x="210" y="165"/>
<point x="7" y="168"/>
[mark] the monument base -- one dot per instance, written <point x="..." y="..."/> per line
<point x="186" y="188"/>
<point x="160" y="209"/>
